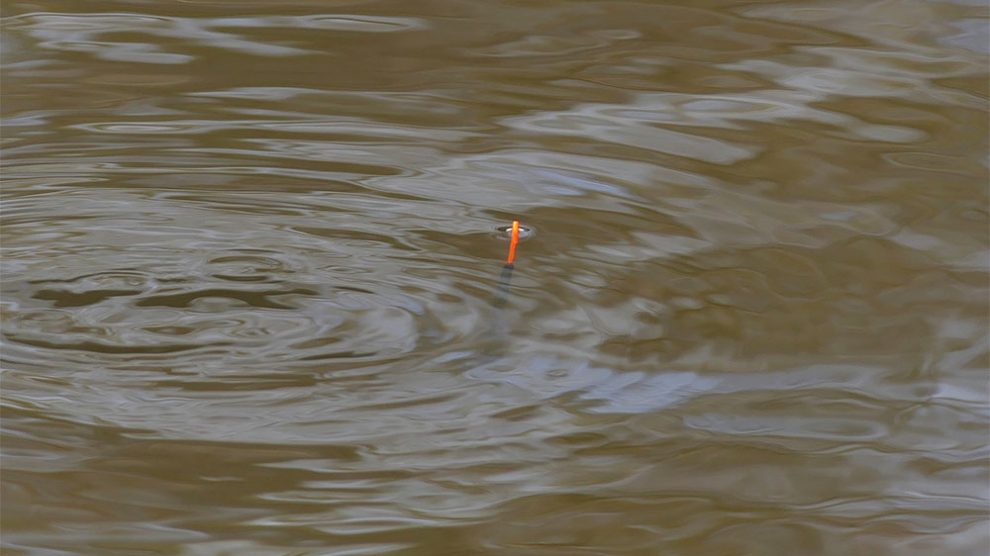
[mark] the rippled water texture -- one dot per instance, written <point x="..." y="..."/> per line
<point x="251" y="278"/>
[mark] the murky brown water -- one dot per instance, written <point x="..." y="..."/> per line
<point x="249" y="271"/>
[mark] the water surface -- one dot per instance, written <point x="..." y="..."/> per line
<point x="250" y="272"/>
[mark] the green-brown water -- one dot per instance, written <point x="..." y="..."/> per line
<point x="249" y="268"/>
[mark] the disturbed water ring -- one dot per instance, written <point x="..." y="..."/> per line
<point x="505" y="232"/>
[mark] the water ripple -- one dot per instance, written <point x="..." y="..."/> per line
<point x="251" y="279"/>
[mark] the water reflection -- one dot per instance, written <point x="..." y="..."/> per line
<point x="249" y="272"/>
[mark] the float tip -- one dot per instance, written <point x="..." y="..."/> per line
<point x="512" y="243"/>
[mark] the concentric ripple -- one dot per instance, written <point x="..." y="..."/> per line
<point x="241" y="301"/>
